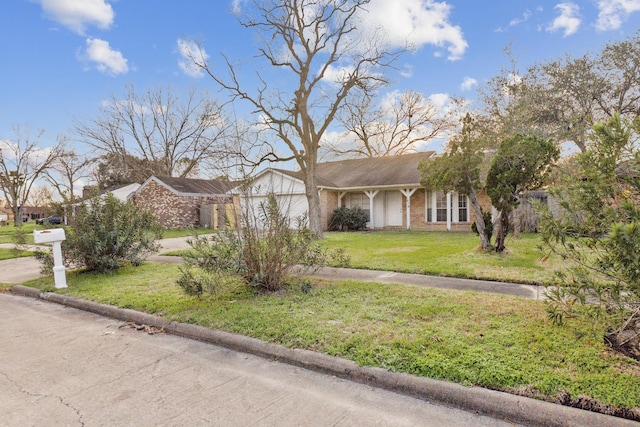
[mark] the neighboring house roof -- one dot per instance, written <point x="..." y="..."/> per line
<point x="385" y="171"/>
<point x="193" y="187"/>
<point x="123" y="193"/>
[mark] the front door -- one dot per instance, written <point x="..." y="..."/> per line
<point x="394" y="208"/>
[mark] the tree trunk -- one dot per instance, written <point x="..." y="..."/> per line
<point x="501" y="231"/>
<point x="313" y="200"/>
<point x="17" y="217"/>
<point x="479" y="217"/>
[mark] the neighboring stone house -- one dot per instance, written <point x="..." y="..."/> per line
<point x="387" y="188"/>
<point x="184" y="202"/>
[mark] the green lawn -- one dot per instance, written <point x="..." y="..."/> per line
<point x="183" y="232"/>
<point x="495" y="341"/>
<point x="8" y="232"/>
<point x="12" y="253"/>
<point x="446" y="254"/>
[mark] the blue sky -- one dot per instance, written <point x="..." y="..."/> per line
<point x="62" y="58"/>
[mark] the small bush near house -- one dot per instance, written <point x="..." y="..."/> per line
<point x="267" y="254"/>
<point x="488" y="225"/>
<point x="348" y="219"/>
<point x="107" y="234"/>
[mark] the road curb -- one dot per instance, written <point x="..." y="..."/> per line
<point x="493" y="403"/>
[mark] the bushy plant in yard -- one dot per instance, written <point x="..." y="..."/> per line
<point x="348" y="219"/>
<point x="106" y="234"/>
<point x="268" y="252"/>
<point x="598" y="232"/>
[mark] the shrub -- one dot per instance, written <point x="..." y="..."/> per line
<point x="348" y="219"/>
<point x="107" y="234"/>
<point x="267" y="253"/>
<point x="488" y="225"/>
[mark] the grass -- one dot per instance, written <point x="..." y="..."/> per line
<point x="12" y="253"/>
<point x="446" y="254"/>
<point x="8" y="233"/>
<point x="494" y="341"/>
<point x="185" y="232"/>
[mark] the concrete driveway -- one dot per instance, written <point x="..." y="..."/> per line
<point x="61" y="366"/>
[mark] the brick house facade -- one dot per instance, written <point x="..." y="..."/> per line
<point x="177" y="202"/>
<point x="388" y="189"/>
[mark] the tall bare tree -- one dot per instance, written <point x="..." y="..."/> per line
<point x="66" y="172"/>
<point x="174" y="135"/>
<point x="40" y="196"/>
<point x="395" y="127"/>
<point x="318" y="60"/>
<point x="22" y="162"/>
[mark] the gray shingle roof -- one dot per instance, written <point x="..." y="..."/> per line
<point x="369" y="172"/>
<point x="197" y="186"/>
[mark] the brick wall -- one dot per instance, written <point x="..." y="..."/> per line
<point x="170" y="209"/>
<point x="328" y="204"/>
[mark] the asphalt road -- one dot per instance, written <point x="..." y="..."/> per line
<point x="61" y="366"/>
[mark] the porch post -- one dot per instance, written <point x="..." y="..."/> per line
<point x="449" y="211"/>
<point x="341" y="194"/>
<point x="371" y="195"/>
<point x="408" y="193"/>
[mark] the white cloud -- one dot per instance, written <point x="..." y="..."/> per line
<point x="468" y="83"/>
<point x="613" y="12"/>
<point x="569" y="20"/>
<point x="440" y="100"/>
<point x="77" y="15"/>
<point x="190" y="51"/>
<point x="407" y="71"/>
<point x="106" y="60"/>
<point x="236" y="6"/>
<point x="516" y="21"/>
<point x="416" y="23"/>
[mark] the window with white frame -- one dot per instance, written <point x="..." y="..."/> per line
<point x="463" y="210"/>
<point x="360" y="200"/>
<point x="436" y="207"/>
<point x="441" y="206"/>
<point x="427" y="206"/>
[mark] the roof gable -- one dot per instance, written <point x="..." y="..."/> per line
<point x="373" y="172"/>
<point x="191" y="187"/>
<point x="384" y="171"/>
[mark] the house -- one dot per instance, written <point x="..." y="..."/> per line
<point x="6" y="215"/>
<point x="121" y="193"/>
<point x="184" y="202"/>
<point x="387" y="188"/>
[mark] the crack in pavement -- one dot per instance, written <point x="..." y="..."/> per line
<point x="60" y="399"/>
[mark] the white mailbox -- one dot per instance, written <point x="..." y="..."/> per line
<point x="54" y="236"/>
<point x="49" y="236"/>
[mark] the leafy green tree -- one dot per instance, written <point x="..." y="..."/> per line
<point x="521" y="164"/>
<point x="460" y="169"/>
<point x="106" y="234"/>
<point x="598" y="233"/>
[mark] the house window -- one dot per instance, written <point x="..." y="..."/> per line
<point x="441" y="206"/>
<point x="360" y="200"/>
<point x="462" y="208"/>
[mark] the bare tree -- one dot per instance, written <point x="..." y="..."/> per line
<point x="67" y="171"/>
<point x="395" y="127"/>
<point x="563" y="98"/>
<point x="319" y="59"/>
<point x="40" y="196"/>
<point x="171" y="134"/>
<point x="22" y="162"/>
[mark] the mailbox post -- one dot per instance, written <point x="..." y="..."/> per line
<point x="55" y="236"/>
